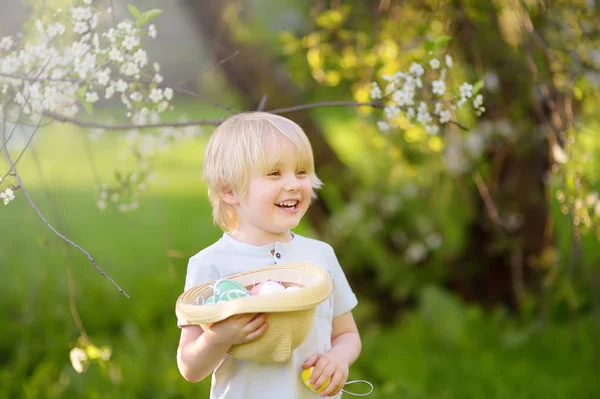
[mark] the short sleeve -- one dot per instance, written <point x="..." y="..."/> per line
<point x="344" y="299"/>
<point x="198" y="272"/>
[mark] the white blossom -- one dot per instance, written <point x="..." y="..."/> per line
<point x="110" y="91"/>
<point x="136" y="96"/>
<point x="416" y="69"/>
<point x="423" y="115"/>
<point x="375" y="91"/>
<point x="391" y="112"/>
<point x="79" y="359"/>
<point x="445" y="116"/>
<point x="81" y="27"/>
<point x="383" y="126"/>
<point x="156" y="95"/>
<point x="141" y="57"/>
<point x="415" y="253"/>
<point x="438" y="87"/>
<point x="6" y="43"/>
<point x="129" y="69"/>
<point x="103" y="77"/>
<point x="432" y="129"/>
<point x="448" y="61"/>
<point x="433" y="241"/>
<point x="91" y="97"/>
<point x="152" y="31"/>
<point x="162" y="106"/>
<point x="115" y="55"/>
<point x="466" y="90"/>
<point x="125" y="26"/>
<point x="81" y="13"/>
<point x="121" y="86"/>
<point x="130" y="42"/>
<point x="168" y="92"/>
<point x="7" y="196"/>
<point x="434" y="63"/>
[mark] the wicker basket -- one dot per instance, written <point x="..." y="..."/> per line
<point x="291" y="313"/>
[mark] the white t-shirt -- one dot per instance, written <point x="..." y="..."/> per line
<point x="237" y="379"/>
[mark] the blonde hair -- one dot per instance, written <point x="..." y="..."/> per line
<point x="247" y="143"/>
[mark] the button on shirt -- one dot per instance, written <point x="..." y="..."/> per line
<point x="235" y="379"/>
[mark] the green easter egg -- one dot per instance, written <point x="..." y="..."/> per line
<point x="226" y="290"/>
<point x="210" y="300"/>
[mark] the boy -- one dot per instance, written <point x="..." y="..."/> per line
<point x="260" y="172"/>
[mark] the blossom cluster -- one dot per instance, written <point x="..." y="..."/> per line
<point x="68" y="63"/>
<point x="124" y="192"/>
<point x="425" y="101"/>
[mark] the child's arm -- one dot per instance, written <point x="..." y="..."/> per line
<point x="335" y="364"/>
<point x="200" y="351"/>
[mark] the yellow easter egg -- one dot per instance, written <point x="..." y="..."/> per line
<point x="306" y="376"/>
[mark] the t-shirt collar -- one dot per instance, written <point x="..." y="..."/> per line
<point x="242" y="246"/>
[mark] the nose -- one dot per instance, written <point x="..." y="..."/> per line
<point x="292" y="184"/>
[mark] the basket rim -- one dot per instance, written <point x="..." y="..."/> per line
<point x="306" y="298"/>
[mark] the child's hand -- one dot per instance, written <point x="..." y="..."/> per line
<point x="327" y="365"/>
<point x="238" y="329"/>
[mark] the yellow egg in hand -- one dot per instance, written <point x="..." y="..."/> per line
<point x="306" y="376"/>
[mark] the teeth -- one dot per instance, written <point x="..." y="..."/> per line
<point x="287" y="203"/>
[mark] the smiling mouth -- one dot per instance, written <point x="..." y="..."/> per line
<point x="288" y="204"/>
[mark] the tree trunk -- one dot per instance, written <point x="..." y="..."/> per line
<point x="502" y="258"/>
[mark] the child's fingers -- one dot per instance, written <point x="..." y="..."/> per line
<point x="320" y="365"/>
<point x="311" y="361"/>
<point x="258" y="332"/>
<point x="327" y="372"/>
<point x="254" y="323"/>
<point x="335" y="385"/>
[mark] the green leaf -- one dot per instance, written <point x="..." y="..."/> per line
<point x="441" y="41"/>
<point x="429" y="45"/>
<point x="134" y="11"/>
<point x="477" y="86"/>
<point x="87" y="105"/>
<point x="150" y="15"/>
<point x="82" y="90"/>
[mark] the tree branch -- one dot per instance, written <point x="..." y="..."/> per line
<point x="26" y="144"/>
<point x="78" y="122"/>
<point x="39" y="213"/>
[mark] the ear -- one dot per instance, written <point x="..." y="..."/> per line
<point x="228" y="196"/>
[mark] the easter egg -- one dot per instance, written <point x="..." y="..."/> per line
<point x="271" y="287"/>
<point x="226" y="290"/>
<point x="210" y="300"/>
<point x="267" y="287"/>
<point x="306" y="376"/>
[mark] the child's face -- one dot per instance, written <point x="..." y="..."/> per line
<point x="276" y="200"/>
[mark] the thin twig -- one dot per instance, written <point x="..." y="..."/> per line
<point x="487" y="199"/>
<point x="71" y="286"/>
<point x="221" y="61"/>
<point x="26" y="144"/>
<point x="39" y="213"/>
<point x="262" y="103"/>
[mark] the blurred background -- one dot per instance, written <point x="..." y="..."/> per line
<point x="474" y="253"/>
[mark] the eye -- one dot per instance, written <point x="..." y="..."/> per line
<point x="301" y="172"/>
<point x="274" y="173"/>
